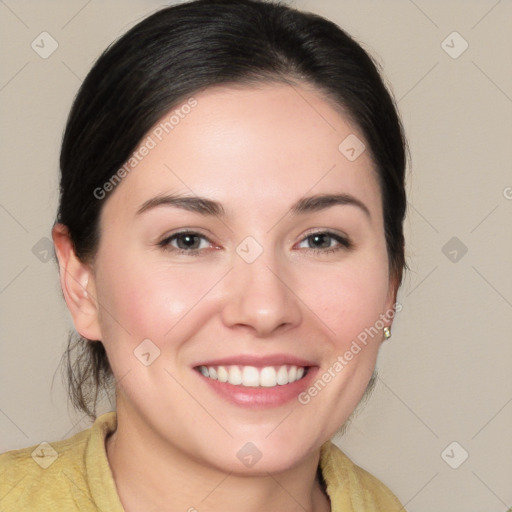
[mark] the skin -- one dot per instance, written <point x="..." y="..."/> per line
<point x="257" y="150"/>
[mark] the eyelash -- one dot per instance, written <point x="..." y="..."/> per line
<point x="344" y="243"/>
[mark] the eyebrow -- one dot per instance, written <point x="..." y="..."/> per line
<point x="209" y="207"/>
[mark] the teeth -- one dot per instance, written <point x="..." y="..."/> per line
<point x="212" y="372"/>
<point x="250" y="376"/>
<point x="235" y="375"/>
<point x="268" y="377"/>
<point x="282" y="376"/>
<point x="222" y="374"/>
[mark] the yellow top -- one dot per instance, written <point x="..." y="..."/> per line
<point x="74" y="475"/>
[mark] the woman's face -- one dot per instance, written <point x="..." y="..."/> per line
<point x="270" y="282"/>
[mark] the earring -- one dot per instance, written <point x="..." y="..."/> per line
<point x="387" y="333"/>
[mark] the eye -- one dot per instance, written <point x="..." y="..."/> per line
<point x="194" y="244"/>
<point x="185" y="242"/>
<point x="321" y="242"/>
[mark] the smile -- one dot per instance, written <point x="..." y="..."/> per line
<point x="250" y="376"/>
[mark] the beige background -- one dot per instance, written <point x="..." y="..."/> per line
<point x="445" y="375"/>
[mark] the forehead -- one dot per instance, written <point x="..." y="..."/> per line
<point x="251" y="145"/>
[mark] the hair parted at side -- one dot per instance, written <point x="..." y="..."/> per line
<point x="179" y="51"/>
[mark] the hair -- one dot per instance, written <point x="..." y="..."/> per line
<point x="182" y="50"/>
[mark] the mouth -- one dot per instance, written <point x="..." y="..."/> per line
<point x="254" y="377"/>
<point x="255" y="381"/>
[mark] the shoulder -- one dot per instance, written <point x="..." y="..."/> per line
<point x="42" y="475"/>
<point x="351" y="487"/>
<point x="51" y="475"/>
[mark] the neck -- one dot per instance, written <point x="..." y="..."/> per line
<point x="152" y="475"/>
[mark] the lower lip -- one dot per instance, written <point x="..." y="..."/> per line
<point x="260" y="397"/>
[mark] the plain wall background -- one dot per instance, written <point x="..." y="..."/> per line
<point x="445" y="374"/>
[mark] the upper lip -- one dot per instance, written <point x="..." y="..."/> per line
<point x="258" y="361"/>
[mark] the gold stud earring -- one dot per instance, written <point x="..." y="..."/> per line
<point x="387" y="333"/>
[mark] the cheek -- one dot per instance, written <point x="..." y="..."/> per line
<point x="348" y="300"/>
<point x="146" y="300"/>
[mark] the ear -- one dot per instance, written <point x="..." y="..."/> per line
<point x="78" y="286"/>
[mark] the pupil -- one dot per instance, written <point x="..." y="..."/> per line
<point x="321" y="237"/>
<point x="188" y="241"/>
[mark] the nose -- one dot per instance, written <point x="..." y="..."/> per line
<point x="260" y="297"/>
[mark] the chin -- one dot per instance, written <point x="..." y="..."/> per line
<point x="260" y="456"/>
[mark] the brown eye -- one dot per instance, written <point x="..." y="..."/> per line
<point x="185" y="242"/>
<point x="322" y="242"/>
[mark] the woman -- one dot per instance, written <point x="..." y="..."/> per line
<point x="230" y="246"/>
